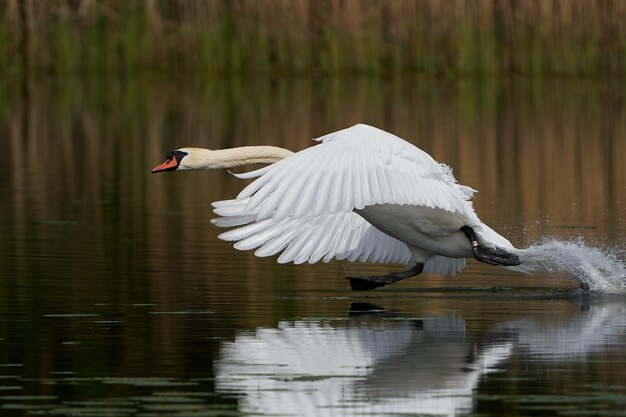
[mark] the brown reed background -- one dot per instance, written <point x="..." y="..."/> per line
<point x="444" y="38"/>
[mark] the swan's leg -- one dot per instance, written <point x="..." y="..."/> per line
<point x="489" y="255"/>
<point x="371" y="282"/>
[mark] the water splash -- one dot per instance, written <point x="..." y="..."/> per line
<point x="597" y="269"/>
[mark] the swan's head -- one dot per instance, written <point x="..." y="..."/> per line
<point x="174" y="161"/>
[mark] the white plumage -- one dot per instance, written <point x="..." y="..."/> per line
<point x="362" y="194"/>
<point x="353" y="168"/>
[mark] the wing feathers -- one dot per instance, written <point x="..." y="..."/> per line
<point x="311" y="239"/>
<point x="251" y="174"/>
<point x="303" y="205"/>
<point x="234" y="220"/>
<point x="351" y="169"/>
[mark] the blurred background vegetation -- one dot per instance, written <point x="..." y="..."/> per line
<point x="444" y="38"/>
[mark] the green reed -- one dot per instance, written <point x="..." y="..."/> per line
<point x="325" y="36"/>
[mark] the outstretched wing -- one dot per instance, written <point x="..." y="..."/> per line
<point x="303" y="205"/>
<point x="308" y="239"/>
<point x="353" y="168"/>
<point x="311" y="239"/>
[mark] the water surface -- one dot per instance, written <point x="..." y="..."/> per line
<point x="118" y="299"/>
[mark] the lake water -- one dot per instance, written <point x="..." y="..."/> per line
<point x="117" y="299"/>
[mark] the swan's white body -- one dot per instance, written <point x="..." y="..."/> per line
<point x="362" y="194"/>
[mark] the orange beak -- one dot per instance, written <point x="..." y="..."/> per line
<point x="168" y="165"/>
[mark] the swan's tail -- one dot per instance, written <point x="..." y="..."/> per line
<point x="597" y="270"/>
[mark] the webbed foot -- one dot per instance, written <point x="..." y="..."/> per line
<point x="496" y="257"/>
<point x="490" y="255"/>
<point x="366" y="283"/>
<point x="377" y="281"/>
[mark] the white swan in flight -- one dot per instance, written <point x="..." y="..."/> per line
<point x="361" y="194"/>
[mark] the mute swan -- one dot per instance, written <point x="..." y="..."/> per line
<point x="361" y="194"/>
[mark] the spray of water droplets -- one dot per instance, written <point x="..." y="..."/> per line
<point x="597" y="270"/>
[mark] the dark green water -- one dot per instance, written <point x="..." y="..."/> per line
<point x="117" y="299"/>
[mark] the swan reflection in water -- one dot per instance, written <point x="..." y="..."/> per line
<point x="387" y="365"/>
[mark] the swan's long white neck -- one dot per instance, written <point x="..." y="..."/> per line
<point x="199" y="158"/>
